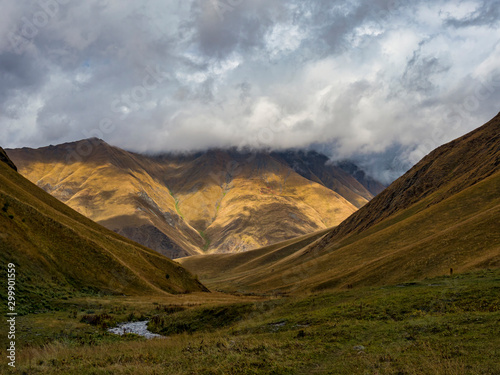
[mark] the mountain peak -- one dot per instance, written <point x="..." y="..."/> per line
<point x="94" y="140"/>
<point x="84" y="145"/>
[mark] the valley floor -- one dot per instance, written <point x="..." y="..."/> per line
<point x="446" y="325"/>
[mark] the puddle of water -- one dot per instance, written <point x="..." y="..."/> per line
<point x="139" y="328"/>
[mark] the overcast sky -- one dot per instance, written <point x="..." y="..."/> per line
<point x="382" y="82"/>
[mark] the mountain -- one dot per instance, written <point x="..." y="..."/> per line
<point x="220" y="201"/>
<point x="112" y="187"/>
<point x="5" y="159"/>
<point x="441" y="217"/>
<point x="372" y="185"/>
<point x="316" y="167"/>
<point x="59" y="252"/>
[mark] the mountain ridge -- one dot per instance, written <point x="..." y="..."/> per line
<point x="4" y="158"/>
<point x="186" y="204"/>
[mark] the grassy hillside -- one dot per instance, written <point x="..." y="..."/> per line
<point x="58" y="252"/>
<point x="226" y="270"/>
<point x="443" y="214"/>
<point x="214" y="201"/>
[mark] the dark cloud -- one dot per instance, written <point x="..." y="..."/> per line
<point x="422" y="72"/>
<point x="488" y="14"/>
<point x="222" y="28"/>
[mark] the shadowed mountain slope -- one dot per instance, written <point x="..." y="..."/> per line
<point x="372" y="185"/>
<point x="442" y="214"/>
<point x="57" y="251"/>
<point x="221" y="201"/>
<point x="5" y="159"/>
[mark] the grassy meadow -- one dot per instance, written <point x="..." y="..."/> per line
<point x="443" y="325"/>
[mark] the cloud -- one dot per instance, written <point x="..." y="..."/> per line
<point x="381" y="82"/>
<point x="486" y="14"/>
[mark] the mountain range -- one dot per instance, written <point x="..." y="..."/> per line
<point x="218" y="201"/>
<point x="321" y="227"/>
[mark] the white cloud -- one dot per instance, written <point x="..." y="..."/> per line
<point x="283" y="39"/>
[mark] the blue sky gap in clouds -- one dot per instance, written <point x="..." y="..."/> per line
<point x="381" y="82"/>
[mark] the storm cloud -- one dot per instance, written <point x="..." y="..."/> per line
<point x="380" y="82"/>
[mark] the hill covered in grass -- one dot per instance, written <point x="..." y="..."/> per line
<point x="441" y="216"/>
<point x="60" y="253"/>
<point x="222" y="201"/>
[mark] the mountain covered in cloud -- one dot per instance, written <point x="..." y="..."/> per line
<point x="381" y="81"/>
<point x="185" y="204"/>
<point x="440" y="218"/>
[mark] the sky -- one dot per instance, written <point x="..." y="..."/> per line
<point x="380" y="82"/>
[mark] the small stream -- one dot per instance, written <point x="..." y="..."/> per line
<point x="139" y="328"/>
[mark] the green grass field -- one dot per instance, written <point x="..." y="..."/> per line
<point x="445" y="325"/>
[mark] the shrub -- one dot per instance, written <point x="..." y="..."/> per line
<point x="101" y="320"/>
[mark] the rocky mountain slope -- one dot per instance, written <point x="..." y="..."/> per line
<point x="216" y="201"/>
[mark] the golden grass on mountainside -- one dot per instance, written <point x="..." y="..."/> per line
<point x="58" y="251"/>
<point x="218" y="201"/>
